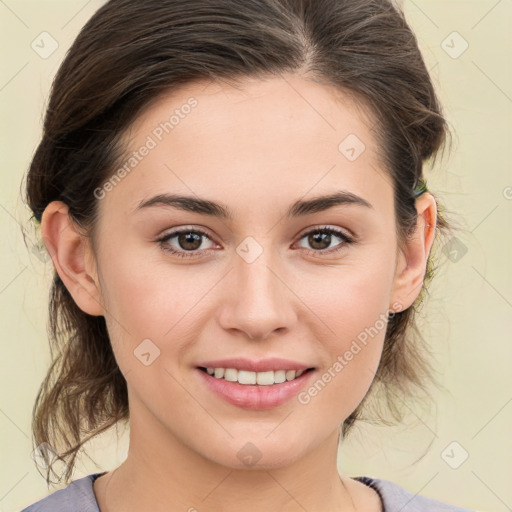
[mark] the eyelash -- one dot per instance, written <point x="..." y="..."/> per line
<point x="189" y="254"/>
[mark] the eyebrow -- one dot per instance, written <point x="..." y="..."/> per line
<point x="297" y="209"/>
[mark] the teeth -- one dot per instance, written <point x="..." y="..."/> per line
<point x="265" y="378"/>
<point x="279" y="376"/>
<point x="260" y="378"/>
<point x="231" y="374"/>
<point x="246" y="377"/>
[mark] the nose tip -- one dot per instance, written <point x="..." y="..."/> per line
<point x="258" y="301"/>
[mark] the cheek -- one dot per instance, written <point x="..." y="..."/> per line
<point x="350" y="298"/>
<point x="147" y="295"/>
<point x="352" y="305"/>
<point x="141" y="303"/>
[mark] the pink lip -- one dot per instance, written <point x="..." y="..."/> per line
<point x="254" y="396"/>
<point x="264" y="365"/>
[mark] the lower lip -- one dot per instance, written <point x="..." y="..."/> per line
<point x="255" y="397"/>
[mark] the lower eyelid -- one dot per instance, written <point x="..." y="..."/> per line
<point x="165" y="239"/>
<point x="345" y="240"/>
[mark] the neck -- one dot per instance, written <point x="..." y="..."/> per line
<point x="161" y="474"/>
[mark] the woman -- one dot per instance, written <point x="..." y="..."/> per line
<point x="232" y="194"/>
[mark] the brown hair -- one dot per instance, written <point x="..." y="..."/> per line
<point x="130" y="53"/>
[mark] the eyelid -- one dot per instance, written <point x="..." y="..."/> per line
<point x="346" y="239"/>
<point x="337" y="232"/>
<point x="326" y="227"/>
<point x="187" y="229"/>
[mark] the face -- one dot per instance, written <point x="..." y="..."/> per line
<point x="269" y="285"/>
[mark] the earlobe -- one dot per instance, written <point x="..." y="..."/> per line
<point x="71" y="255"/>
<point x="412" y="260"/>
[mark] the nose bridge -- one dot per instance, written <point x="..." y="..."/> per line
<point x="256" y="280"/>
<point x="257" y="303"/>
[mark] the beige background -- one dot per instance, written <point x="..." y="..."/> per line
<point x="468" y="317"/>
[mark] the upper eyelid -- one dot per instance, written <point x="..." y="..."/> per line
<point x="203" y="232"/>
<point x="177" y="231"/>
<point x="322" y="227"/>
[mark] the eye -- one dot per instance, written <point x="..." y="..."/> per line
<point x="321" y="238"/>
<point x="188" y="241"/>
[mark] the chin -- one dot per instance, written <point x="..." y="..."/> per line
<point x="257" y="453"/>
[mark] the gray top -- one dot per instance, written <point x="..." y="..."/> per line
<point x="79" y="496"/>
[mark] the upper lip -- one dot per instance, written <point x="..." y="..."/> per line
<point x="263" y="365"/>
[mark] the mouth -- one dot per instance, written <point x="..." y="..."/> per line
<point x="250" y="378"/>
<point x="254" y="390"/>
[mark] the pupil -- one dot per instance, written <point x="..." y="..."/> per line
<point x="321" y="238"/>
<point x="190" y="238"/>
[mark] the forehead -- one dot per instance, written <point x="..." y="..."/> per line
<point x="264" y="107"/>
<point x="259" y="139"/>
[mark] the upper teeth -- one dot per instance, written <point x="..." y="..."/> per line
<point x="261" y="378"/>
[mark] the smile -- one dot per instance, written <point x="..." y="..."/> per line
<point x="254" y="390"/>
<point x="246" y="377"/>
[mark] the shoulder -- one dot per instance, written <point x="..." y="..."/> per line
<point x="395" y="498"/>
<point x="78" y="496"/>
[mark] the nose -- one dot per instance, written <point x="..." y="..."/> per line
<point x="257" y="300"/>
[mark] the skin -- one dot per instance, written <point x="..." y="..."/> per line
<point x="256" y="149"/>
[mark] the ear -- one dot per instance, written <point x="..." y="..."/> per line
<point x="72" y="257"/>
<point x="412" y="259"/>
